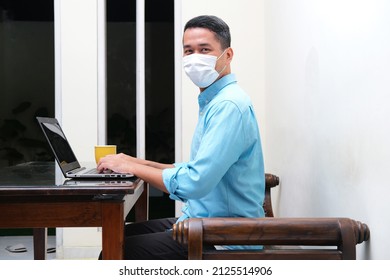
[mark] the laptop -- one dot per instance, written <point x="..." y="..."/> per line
<point x="65" y="157"/>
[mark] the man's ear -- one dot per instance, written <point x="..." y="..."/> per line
<point x="229" y="54"/>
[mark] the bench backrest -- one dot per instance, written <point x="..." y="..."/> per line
<point x="333" y="238"/>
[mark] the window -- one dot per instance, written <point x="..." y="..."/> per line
<point x="159" y="85"/>
<point x="26" y="78"/>
<point x="26" y="83"/>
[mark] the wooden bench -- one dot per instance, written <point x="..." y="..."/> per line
<point x="283" y="238"/>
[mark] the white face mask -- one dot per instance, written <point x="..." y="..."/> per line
<point x="200" y="68"/>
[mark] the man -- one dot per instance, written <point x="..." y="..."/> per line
<point x="225" y="174"/>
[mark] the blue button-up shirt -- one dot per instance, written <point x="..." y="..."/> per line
<point x="225" y="174"/>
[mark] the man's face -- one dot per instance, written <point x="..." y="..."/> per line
<point x="203" y="41"/>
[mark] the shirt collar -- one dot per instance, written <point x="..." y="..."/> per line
<point x="209" y="93"/>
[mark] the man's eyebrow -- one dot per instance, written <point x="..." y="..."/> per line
<point x="199" y="45"/>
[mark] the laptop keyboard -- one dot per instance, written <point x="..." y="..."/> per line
<point x="92" y="171"/>
<point x="95" y="171"/>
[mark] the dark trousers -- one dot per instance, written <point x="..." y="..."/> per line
<point x="152" y="240"/>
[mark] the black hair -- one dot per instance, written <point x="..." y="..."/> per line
<point x="214" y="24"/>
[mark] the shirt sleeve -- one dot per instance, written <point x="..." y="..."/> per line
<point x="222" y="143"/>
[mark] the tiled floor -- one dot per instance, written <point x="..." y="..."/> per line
<point x="25" y="244"/>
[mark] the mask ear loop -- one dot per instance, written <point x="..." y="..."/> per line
<point x="222" y="54"/>
<point x="225" y="64"/>
<point x="223" y="69"/>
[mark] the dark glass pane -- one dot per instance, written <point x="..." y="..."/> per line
<point x="121" y="76"/>
<point x="159" y="81"/>
<point x="159" y="87"/>
<point x="26" y="78"/>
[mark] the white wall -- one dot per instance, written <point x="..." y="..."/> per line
<point x="77" y="104"/>
<point x="327" y="111"/>
<point x="78" y="54"/>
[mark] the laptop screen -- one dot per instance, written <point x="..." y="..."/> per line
<point x="59" y="144"/>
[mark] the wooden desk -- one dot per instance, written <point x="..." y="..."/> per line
<point x="33" y="200"/>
